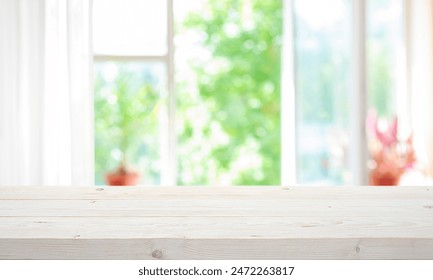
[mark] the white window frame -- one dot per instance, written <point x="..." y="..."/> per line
<point x="288" y="100"/>
<point x="359" y="94"/>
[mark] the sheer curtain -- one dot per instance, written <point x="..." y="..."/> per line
<point x="46" y="106"/>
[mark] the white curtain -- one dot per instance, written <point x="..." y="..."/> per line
<point x="420" y="73"/>
<point x="46" y="107"/>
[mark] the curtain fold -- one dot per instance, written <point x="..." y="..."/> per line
<point x="46" y="103"/>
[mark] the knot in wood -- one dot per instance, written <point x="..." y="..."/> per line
<point x="157" y="254"/>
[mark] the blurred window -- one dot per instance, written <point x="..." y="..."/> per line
<point x="195" y="86"/>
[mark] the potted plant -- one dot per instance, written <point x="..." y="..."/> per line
<point x="125" y="116"/>
<point x="391" y="158"/>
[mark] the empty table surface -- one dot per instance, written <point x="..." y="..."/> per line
<point x="216" y="223"/>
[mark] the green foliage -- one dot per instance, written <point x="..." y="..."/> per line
<point x="380" y="85"/>
<point x="239" y="89"/>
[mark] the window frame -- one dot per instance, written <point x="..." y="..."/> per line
<point x="288" y="166"/>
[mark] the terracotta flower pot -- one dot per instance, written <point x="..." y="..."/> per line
<point x="385" y="175"/>
<point x="383" y="180"/>
<point x="122" y="177"/>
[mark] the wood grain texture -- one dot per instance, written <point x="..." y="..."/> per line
<point x="216" y="223"/>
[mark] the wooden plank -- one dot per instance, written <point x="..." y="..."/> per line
<point x="276" y="193"/>
<point x="214" y="249"/>
<point x="240" y="207"/>
<point x="214" y="227"/>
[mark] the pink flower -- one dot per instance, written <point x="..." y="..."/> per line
<point x="389" y="136"/>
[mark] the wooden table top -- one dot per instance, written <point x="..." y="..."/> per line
<point x="216" y="223"/>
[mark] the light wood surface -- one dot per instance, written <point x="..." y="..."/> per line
<point x="216" y="223"/>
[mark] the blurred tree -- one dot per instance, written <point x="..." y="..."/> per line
<point x="238" y="95"/>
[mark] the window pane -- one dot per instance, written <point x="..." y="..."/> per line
<point x="323" y="36"/>
<point x="385" y="52"/>
<point x="128" y="110"/>
<point x="228" y="88"/>
<point x="130" y="27"/>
